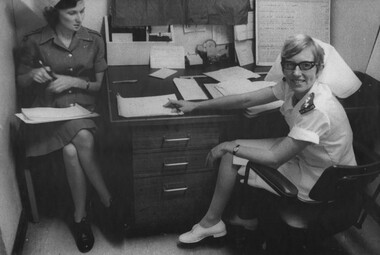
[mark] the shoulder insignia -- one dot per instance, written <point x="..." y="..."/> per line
<point x="308" y="105"/>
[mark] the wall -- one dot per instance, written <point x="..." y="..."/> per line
<point x="10" y="205"/>
<point x="354" y="25"/>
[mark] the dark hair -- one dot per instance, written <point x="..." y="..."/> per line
<point x="51" y="13"/>
<point x="295" y="44"/>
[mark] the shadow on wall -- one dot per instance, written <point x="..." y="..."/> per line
<point x="27" y="17"/>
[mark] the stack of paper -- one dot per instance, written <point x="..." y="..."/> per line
<point x="145" y="106"/>
<point x="48" y="114"/>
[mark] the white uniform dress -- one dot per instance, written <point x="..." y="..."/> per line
<point x="327" y="129"/>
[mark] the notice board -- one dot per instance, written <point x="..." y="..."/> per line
<point x="276" y="20"/>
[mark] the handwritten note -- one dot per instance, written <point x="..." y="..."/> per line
<point x="167" y="57"/>
<point x="276" y="20"/>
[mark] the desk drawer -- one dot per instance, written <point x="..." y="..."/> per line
<point x="159" y="137"/>
<point x="145" y="164"/>
<point x="159" y="200"/>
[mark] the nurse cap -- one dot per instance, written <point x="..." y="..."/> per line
<point x="336" y="73"/>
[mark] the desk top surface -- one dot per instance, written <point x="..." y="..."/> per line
<point x="151" y="86"/>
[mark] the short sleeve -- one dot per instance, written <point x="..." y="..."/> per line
<point x="310" y="127"/>
<point x="279" y="91"/>
<point x="100" y="64"/>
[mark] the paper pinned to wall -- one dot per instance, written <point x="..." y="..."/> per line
<point x="244" y="52"/>
<point x="245" y="31"/>
<point x="373" y="67"/>
<point x="167" y="57"/>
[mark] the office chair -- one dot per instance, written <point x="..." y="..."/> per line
<point x="292" y="226"/>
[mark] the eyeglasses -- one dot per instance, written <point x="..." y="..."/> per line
<point x="304" y="66"/>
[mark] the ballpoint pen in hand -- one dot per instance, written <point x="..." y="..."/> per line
<point x="48" y="71"/>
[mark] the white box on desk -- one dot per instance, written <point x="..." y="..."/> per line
<point x="128" y="53"/>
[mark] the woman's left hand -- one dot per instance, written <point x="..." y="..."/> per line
<point x="216" y="152"/>
<point x="62" y="83"/>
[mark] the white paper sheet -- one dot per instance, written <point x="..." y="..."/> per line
<point x="244" y="31"/>
<point x="232" y="73"/>
<point x="163" y="73"/>
<point x="276" y="20"/>
<point x="189" y="89"/>
<point x="145" y="106"/>
<point x="167" y="57"/>
<point x="244" y="52"/>
<point x="39" y="115"/>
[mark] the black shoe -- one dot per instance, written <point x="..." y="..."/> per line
<point x="83" y="235"/>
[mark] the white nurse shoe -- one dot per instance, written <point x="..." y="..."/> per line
<point x="197" y="233"/>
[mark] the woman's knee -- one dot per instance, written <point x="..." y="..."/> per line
<point x="70" y="152"/>
<point x="84" y="138"/>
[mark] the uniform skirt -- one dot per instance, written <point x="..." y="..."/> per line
<point x="42" y="139"/>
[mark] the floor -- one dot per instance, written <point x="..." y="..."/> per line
<point x="52" y="236"/>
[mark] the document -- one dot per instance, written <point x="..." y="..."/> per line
<point x="163" y="73"/>
<point x="189" y="89"/>
<point x="145" y="106"/>
<point x="231" y="73"/>
<point x="167" y="57"/>
<point x="245" y="31"/>
<point x="49" y="114"/>
<point x="277" y="19"/>
<point x="244" y="52"/>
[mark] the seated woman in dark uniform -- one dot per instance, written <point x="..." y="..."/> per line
<point x="74" y="57"/>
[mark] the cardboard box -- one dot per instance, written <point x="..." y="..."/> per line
<point x="128" y="53"/>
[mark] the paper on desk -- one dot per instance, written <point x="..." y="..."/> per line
<point x="39" y="115"/>
<point x="167" y="57"/>
<point x="163" y="73"/>
<point x="231" y="73"/>
<point x="240" y="86"/>
<point x="189" y="89"/>
<point x="145" y="106"/>
<point x="244" y="52"/>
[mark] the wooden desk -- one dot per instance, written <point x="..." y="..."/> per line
<point x="163" y="158"/>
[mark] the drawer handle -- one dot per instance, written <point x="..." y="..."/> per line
<point x="167" y="190"/>
<point x="176" y="164"/>
<point x="184" y="139"/>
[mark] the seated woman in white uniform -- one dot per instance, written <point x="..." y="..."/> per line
<point x="320" y="134"/>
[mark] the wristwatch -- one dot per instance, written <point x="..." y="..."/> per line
<point x="235" y="149"/>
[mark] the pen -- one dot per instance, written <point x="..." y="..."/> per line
<point x="175" y="106"/>
<point x="124" y="81"/>
<point x="49" y="72"/>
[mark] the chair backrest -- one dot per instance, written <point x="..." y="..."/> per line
<point x="341" y="181"/>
